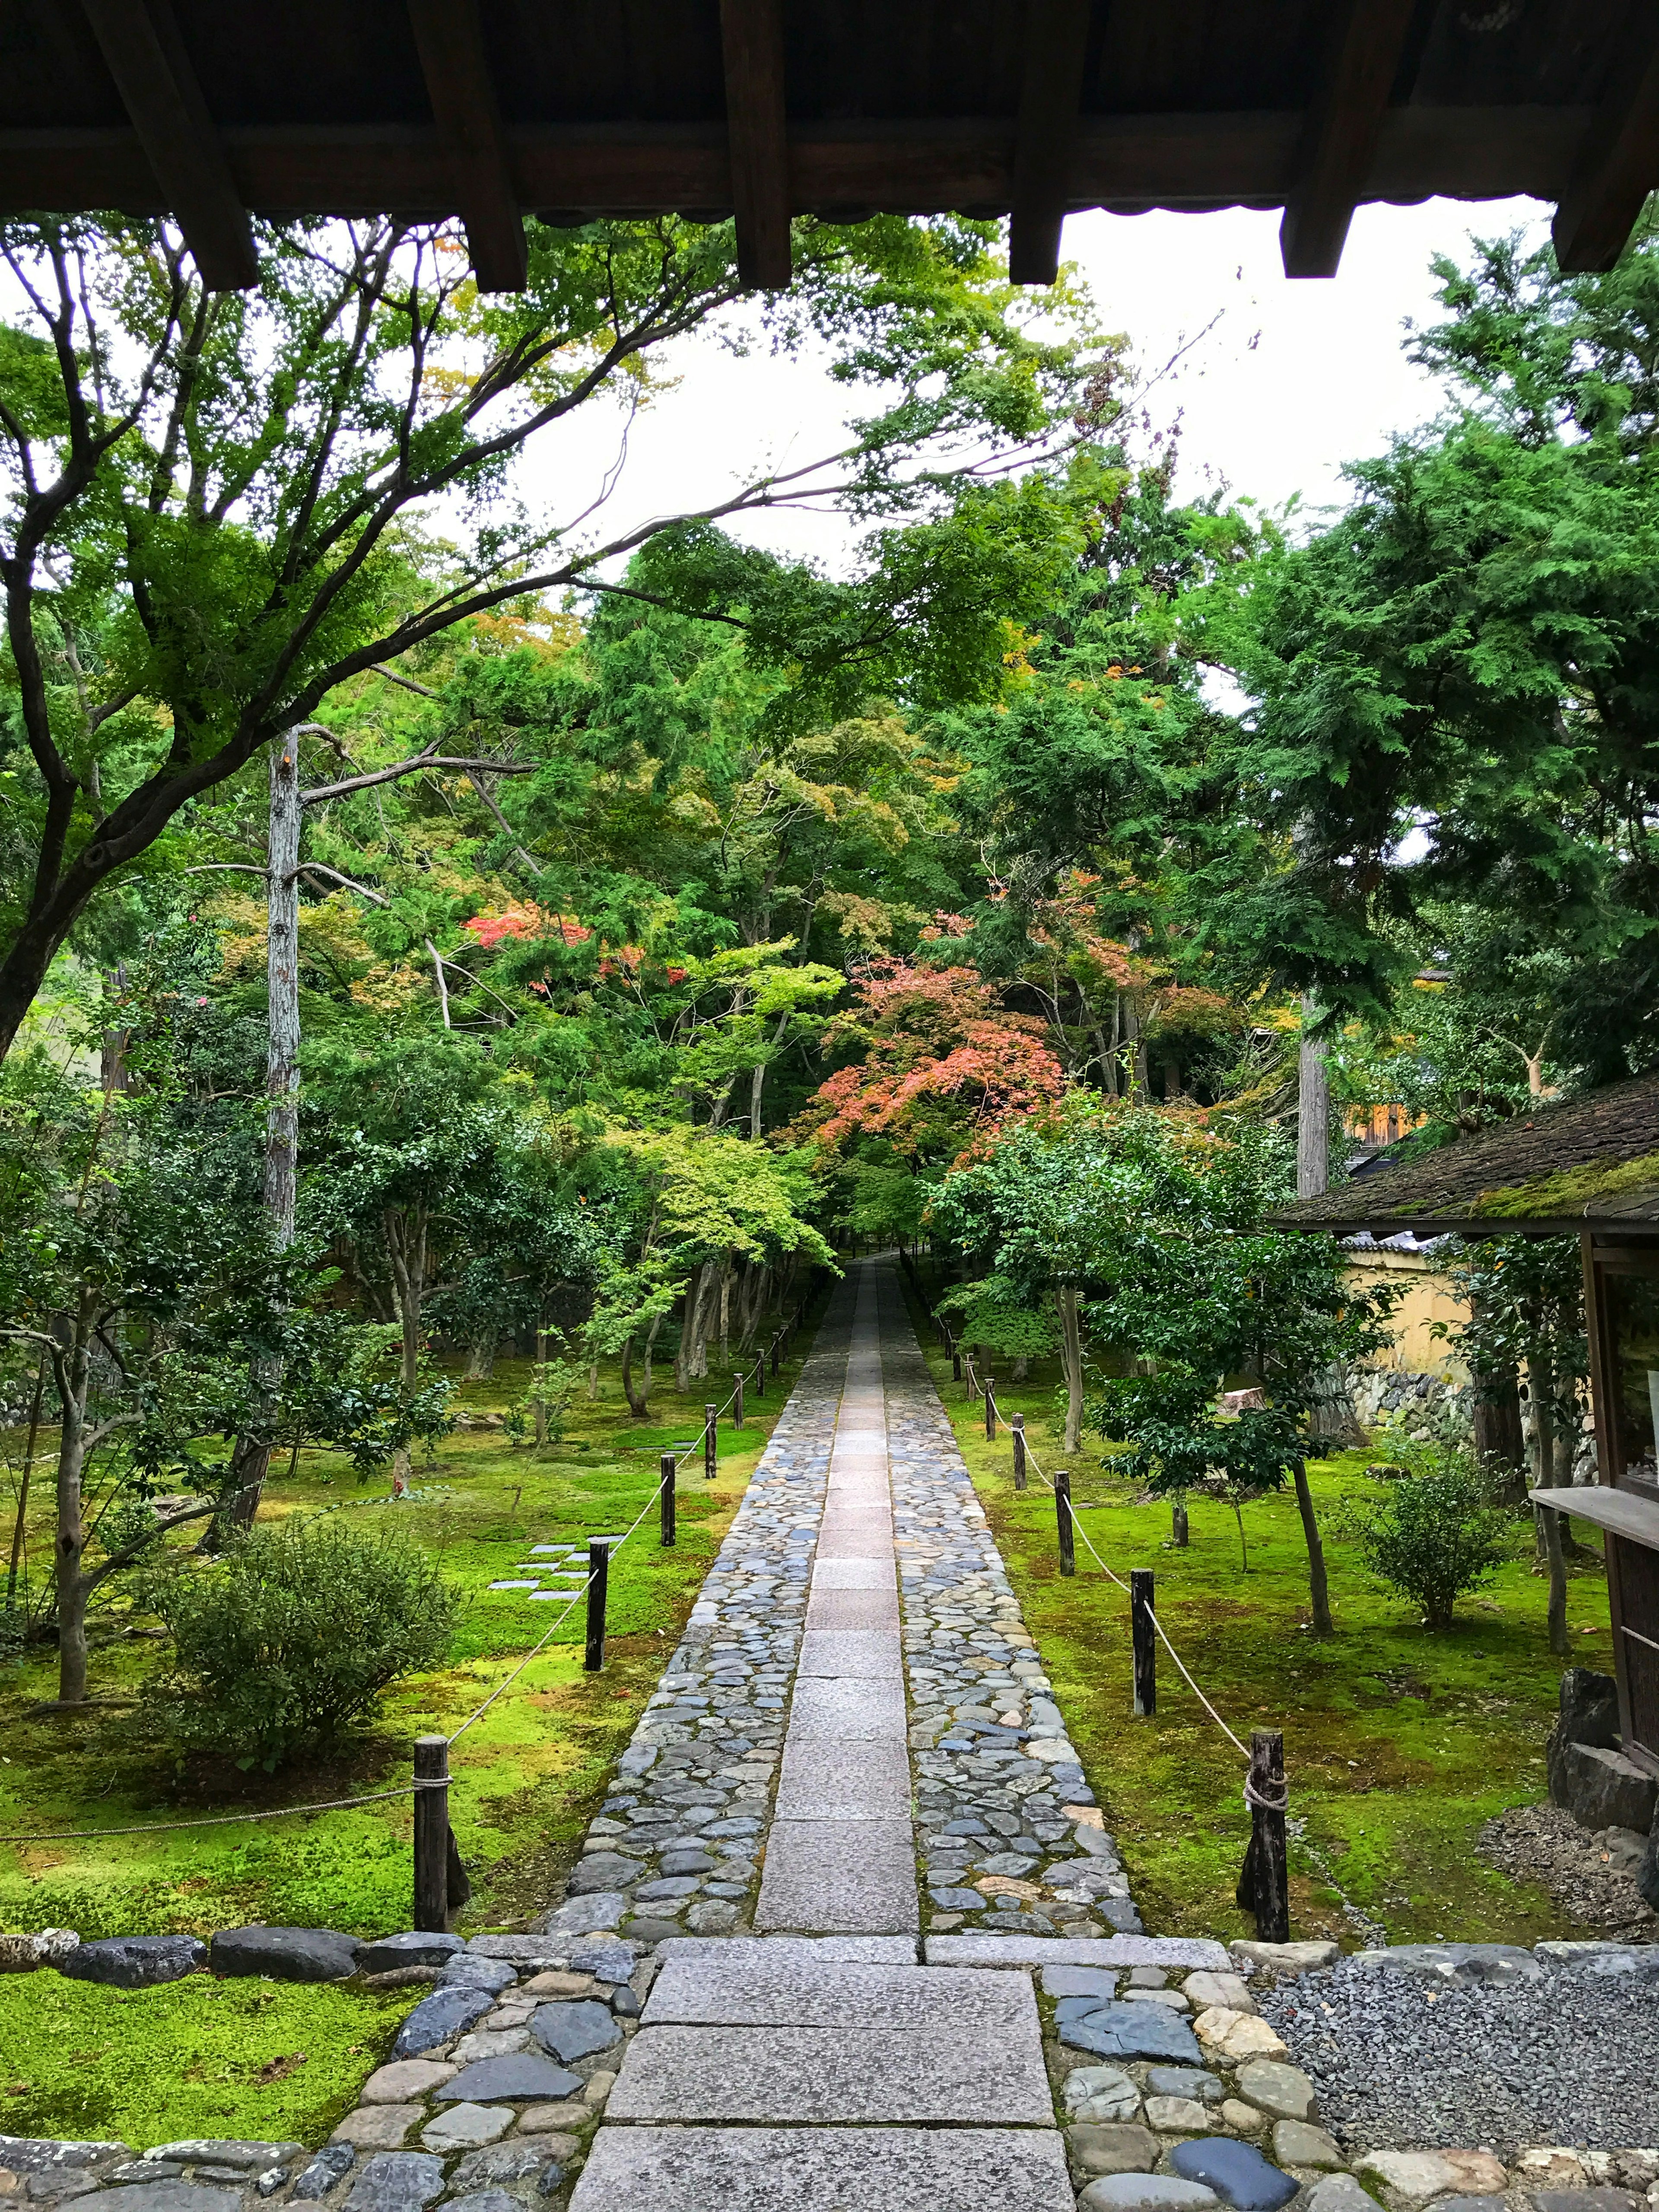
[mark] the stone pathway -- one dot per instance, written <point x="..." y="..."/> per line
<point x="831" y="1944"/>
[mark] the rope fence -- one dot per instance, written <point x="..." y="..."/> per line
<point x="1263" y="1883"/>
<point x="441" y="1883"/>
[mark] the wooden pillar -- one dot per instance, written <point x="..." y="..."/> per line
<point x="1063" y="1517"/>
<point x="760" y="1376"/>
<point x="990" y="1414"/>
<point x="598" y="1575"/>
<point x="432" y="1834"/>
<point x="1019" y="1451"/>
<point x="1143" y="1638"/>
<point x="668" y="1469"/>
<point x="711" y="1422"/>
<point x="1264" y="1885"/>
<point x="737" y="1401"/>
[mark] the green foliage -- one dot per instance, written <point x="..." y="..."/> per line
<point x="992" y="1312"/>
<point x="1435" y="1535"/>
<point x="287" y="1640"/>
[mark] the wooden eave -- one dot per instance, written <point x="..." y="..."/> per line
<point x="768" y="109"/>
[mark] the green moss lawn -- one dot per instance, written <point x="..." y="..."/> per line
<point x="1400" y="1743"/>
<point x="527" y="1778"/>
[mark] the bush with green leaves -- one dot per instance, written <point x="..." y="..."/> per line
<point x="1436" y="1534"/>
<point x="286" y="1640"/>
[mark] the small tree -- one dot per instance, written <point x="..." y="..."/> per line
<point x="287" y="1639"/>
<point x="1436" y="1534"/>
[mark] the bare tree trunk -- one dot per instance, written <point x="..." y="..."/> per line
<point x="1071" y="1362"/>
<point x="480" y="1360"/>
<point x="18" y="1525"/>
<point x="1313" y="1111"/>
<point x="251" y="1458"/>
<point x="1499" y="1441"/>
<point x="638" y="1400"/>
<point x="406" y="1244"/>
<point x="1318" y="1587"/>
<point x="72" y="1371"/>
<point x="690" y="1302"/>
<point x="725" y="1311"/>
<point x="1549" y="1528"/>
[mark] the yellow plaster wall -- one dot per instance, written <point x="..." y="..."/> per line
<point x="1426" y="1297"/>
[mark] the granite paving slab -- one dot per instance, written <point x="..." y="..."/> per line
<point x="857" y="1877"/>
<point x="950" y="2071"/>
<point x="847" y="2169"/>
<point x="756" y="1991"/>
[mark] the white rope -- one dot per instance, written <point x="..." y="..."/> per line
<point x="1181" y="1665"/>
<point x="217" y="1820"/>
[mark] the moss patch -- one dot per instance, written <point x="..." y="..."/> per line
<point x="1566" y="1193"/>
<point x="270" y="2060"/>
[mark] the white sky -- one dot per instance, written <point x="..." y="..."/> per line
<point x="1294" y="379"/>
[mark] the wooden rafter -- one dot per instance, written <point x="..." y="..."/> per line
<point x="1620" y="165"/>
<point x="1056" y="37"/>
<point x="752" y="40"/>
<point x="449" y="39"/>
<point x="1343" y="130"/>
<point x="146" y="57"/>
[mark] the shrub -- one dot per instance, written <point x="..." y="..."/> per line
<point x="288" y="1638"/>
<point x="1435" y="1535"/>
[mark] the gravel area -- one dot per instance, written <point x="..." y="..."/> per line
<point x="1564" y="2059"/>
<point x="1586" y="1878"/>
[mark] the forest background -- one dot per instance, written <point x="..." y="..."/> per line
<point x="431" y="929"/>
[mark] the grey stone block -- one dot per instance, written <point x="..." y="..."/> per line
<point x="588" y="1916"/>
<point x="439" y="2019"/>
<point x="134" y="1962"/>
<point x="492" y="1975"/>
<point x="826" y="1781"/>
<point x="778" y="2170"/>
<point x="1605" y="1790"/>
<point x="51" y="2154"/>
<point x="1462" y="1965"/>
<point x="1144" y="2192"/>
<point x="500" y="2163"/>
<point x="847" y="1709"/>
<point x="809" y="1951"/>
<point x="397" y="2181"/>
<point x="839" y="1877"/>
<point x="852" y="1574"/>
<point x="1589" y="1714"/>
<point x="757" y="1991"/>
<point x="574" y="2031"/>
<point x="863" y="1536"/>
<point x="285" y="1954"/>
<point x="169" y="2196"/>
<point x="857" y="1651"/>
<point x="949" y="2073"/>
<point x="1133" y="2031"/>
<point x="326" y="2170"/>
<point x="1170" y="1951"/>
<point x="236" y="2152"/>
<point x="520" y="2075"/>
<point x="415" y="1947"/>
<point x="832" y="1609"/>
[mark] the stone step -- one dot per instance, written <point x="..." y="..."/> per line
<point x="1186" y="1952"/>
<point x="847" y="2169"/>
<point x="751" y="1988"/>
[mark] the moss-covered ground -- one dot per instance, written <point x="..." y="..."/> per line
<point x="1401" y="1742"/>
<point x="527" y="1776"/>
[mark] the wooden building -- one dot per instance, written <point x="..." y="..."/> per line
<point x="491" y="109"/>
<point x="1588" y="1168"/>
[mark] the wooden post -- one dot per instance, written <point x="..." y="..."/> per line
<point x="432" y="1834"/>
<point x="599" y="1574"/>
<point x="711" y="1422"/>
<point x="1264" y="1885"/>
<point x="1019" y="1451"/>
<point x="956" y="1362"/>
<point x="1144" y="1637"/>
<point x="990" y="1414"/>
<point x="1063" y="1516"/>
<point x="668" y="1470"/>
<point x="760" y="1376"/>
<point x="1178" y="1529"/>
<point x="737" y="1401"/>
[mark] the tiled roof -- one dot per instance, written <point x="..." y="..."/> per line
<point x="1592" y="1161"/>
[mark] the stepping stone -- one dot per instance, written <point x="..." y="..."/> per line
<point x="574" y="2031"/>
<point x="776" y="2170"/>
<point x="513" y="1585"/>
<point x="414" y="1948"/>
<point x="464" y="2127"/>
<point x="853" y="1877"/>
<point x="1237" y="2173"/>
<point x="951" y="2072"/>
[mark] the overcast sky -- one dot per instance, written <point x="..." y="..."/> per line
<point x="1294" y="379"/>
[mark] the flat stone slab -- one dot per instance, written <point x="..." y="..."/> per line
<point x="782" y="2169"/>
<point x="843" y="1609"/>
<point x="170" y="2196"/>
<point x="866" y="1537"/>
<point x="826" y="1781"/>
<point x="1173" y="1951"/>
<point x="840" y="1877"/>
<point x="763" y="1992"/>
<point x="952" y="2072"/>
<point x="852" y="1574"/>
<point x="847" y="1709"/>
<point x="495" y="2080"/>
<point x="810" y="1951"/>
<point x="862" y="1651"/>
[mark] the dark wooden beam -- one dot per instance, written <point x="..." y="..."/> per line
<point x="1343" y="130"/>
<point x="1056" y="37"/>
<point x="752" y="41"/>
<point x="1619" y="163"/>
<point x="449" y="39"/>
<point x="1130" y="162"/>
<point x="145" y="55"/>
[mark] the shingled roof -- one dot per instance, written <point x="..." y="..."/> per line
<point x="1590" y="1164"/>
<point x="490" y="109"/>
